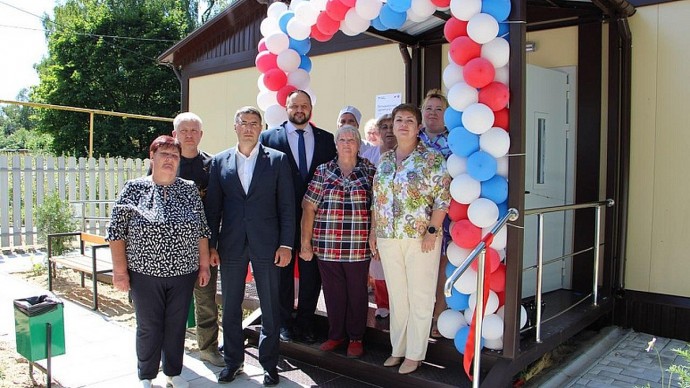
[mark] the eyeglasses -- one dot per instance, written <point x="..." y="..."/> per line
<point x="249" y="124"/>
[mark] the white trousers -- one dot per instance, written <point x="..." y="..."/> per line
<point x="411" y="276"/>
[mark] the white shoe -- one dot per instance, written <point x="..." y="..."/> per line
<point x="177" y="382"/>
<point x="146" y="383"/>
<point x="382" y="313"/>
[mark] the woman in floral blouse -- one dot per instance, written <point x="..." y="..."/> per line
<point x="159" y="245"/>
<point x="410" y="200"/>
<point x="336" y="219"/>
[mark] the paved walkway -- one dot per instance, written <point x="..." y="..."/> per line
<point x="100" y="353"/>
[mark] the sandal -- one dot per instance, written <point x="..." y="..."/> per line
<point x="434" y="329"/>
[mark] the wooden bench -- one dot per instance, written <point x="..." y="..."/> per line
<point x="82" y="261"/>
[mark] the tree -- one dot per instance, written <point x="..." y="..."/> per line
<point x="102" y="55"/>
<point x="16" y="117"/>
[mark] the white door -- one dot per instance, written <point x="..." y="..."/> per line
<point x="546" y="178"/>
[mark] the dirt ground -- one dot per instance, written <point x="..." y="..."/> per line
<point x="14" y="368"/>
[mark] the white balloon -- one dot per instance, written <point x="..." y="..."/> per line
<point x="500" y="238"/>
<point x="496" y="344"/>
<point x="496" y="51"/>
<point x="298" y="29"/>
<point x="415" y="17"/>
<point x="269" y="26"/>
<point x="502" y="75"/>
<point x="424" y="8"/>
<point x="465" y="189"/>
<point x="468" y="314"/>
<point x="500" y="311"/>
<point x="355" y="22"/>
<point x="495" y="141"/>
<point x="319" y="5"/>
<point x="462" y="95"/>
<point x="482" y="28"/>
<point x="465" y="9"/>
<point x="289" y="60"/>
<point x="467" y="282"/>
<point x="482" y="212"/>
<point x="492" y="327"/>
<point x="452" y="74"/>
<point x="502" y="255"/>
<point x="456" y="165"/>
<point x="502" y="167"/>
<point x="276" y="9"/>
<point x="275" y="115"/>
<point x="260" y="83"/>
<point x="295" y="3"/>
<point x="523" y="316"/>
<point x="477" y="118"/>
<point x="306" y="12"/>
<point x="299" y="78"/>
<point x="346" y="30"/>
<point x="277" y="42"/>
<point x="491" y="302"/>
<point x="368" y="9"/>
<point x="265" y="99"/>
<point x="456" y="254"/>
<point x="449" y="322"/>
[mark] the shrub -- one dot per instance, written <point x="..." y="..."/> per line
<point x="55" y="216"/>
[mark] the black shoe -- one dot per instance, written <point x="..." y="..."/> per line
<point x="271" y="378"/>
<point x="228" y="374"/>
<point x="286" y="334"/>
<point x="308" y="336"/>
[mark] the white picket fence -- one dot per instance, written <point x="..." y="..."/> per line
<point x="89" y="184"/>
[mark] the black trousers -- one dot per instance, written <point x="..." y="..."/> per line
<point x="161" y="306"/>
<point x="308" y="297"/>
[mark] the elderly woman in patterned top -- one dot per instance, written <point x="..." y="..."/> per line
<point x="159" y="244"/>
<point x="410" y="200"/>
<point x="335" y="227"/>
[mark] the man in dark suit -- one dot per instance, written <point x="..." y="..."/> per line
<point x="250" y="207"/>
<point x="306" y="147"/>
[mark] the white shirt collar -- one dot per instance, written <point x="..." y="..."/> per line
<point x="290" y="127"/>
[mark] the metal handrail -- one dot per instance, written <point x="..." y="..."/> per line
<point x="480" y="252"/>
<point x="539" y="212"/>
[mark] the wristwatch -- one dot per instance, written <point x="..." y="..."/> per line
<point x="431" y="229"/>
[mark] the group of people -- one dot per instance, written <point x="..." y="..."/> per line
<point x="340" y="208"/>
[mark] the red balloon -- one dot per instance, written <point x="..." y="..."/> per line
<point x="318" y="35"/>
<point x="478" y="72"/>
<point x="492" y="259"/>
<point x="465" y="234"/>
<point x="266" y="61"/>
<point x="454" y="28"/>
<point x="502" y="119"/>
<point x="501" y="299"/>
<point x="326" y="24"/>
<point x="457" y="211"/>
<point x="349" y="3"/>
<point x="495" y="95"/>
<point x="262" y="45"/>
<point x="462" y="49"/>
<point x="283" y="93"/>
<point x="441" y="3"/>
<point x="274" y="79"/>
<point x="336" y="10"/>
<point x="498" y="280"/>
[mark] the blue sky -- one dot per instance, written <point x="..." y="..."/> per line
<point x="22" y="43"/>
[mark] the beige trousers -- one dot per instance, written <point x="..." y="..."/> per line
<point x="411" y="277"/>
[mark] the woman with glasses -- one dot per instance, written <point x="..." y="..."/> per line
<point x="335" y="228"/>
<point x="159" y="245"/>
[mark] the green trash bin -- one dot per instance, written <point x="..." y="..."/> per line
<point x="191" y="320"/>
<point x="31" y="316"/>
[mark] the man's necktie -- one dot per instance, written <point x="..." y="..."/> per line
<point x="302" y="151"/>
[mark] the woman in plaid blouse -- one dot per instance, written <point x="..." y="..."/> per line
<point x="335" y="229"/>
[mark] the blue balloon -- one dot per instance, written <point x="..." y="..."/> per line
<point x="503" y="29"/>
<point x="400" y="5"/>
<point x="481" y="166"/>
<point x="305" y="63"/>
<point x="457" y="300"/>
<point x="502" y="209"/>
<point x="376" y="23"/>
<point x="452" y="118"/>
<point x="461" y="339"/>
<point x="392" y="19"/>
<point x="301" y="46"/>
<point x="499" y="9"/>
<point x="284" y="19"/>
<point x="450" y="268"/>
<point x="463" y="142"/>
<point x="495" y="189"/>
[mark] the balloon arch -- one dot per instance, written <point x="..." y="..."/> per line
<point x="477" y="82"/>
